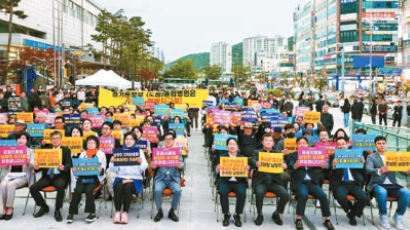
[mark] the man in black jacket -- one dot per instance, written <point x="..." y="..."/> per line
<point x="57" y="177"/>
<point x="382" y="109"/>
<point x="348" y="181"/>
<point x="327" y="119"/>
<point x="305" y="181"/>
<point x="319" y="104"/>
<point x="249" y="140"/>
<point x="266" y="182"/>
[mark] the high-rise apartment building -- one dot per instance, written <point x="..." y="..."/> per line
<point x="221" y="54"/>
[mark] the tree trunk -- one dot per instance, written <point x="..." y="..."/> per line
<point x="6" y="67"/>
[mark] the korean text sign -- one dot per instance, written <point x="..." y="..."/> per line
<point x="126" y="157"/>
<point x="10" y="156"/>
<point x="48" y="158"/>
<point x="349" y="158"/>
<point x="233" y="167"/>
<point x="86" y="166"/>
<point x="166" y="157"/>
<point x="398" y="161"/>
<point x="312" y="157"/>
<point x="271" y="162"/>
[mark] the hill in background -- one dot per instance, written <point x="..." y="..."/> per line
<point x="203" y="59"/>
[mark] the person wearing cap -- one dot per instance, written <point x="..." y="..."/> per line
<point x="397" y="114"/>
<point x="268" y="182"/>
<point x="249" y="140"/>
<point x="19" y="127"/>
<point x="277" y="135"/>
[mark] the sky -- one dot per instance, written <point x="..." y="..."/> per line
<point x="181" y="27"/>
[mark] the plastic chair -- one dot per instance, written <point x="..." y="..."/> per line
<point x="268" y="195"/>
<point x="230" y="195"/>
<point x="350" y="198"/>
<point x="166" y="193"/>
<point x="389" y="199"/>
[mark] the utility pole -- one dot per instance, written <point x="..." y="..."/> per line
<point x="371" y="50"/>
<point x="343" y="68"/>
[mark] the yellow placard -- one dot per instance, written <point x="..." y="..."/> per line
<point x="26" y="117"/>
<point x="181" y="106"/>
<point x="398" y="161"/>
<point x="233" y="167"/>
<point x="106" y="99"/>
<point x="75" y="144"/>
<point x="87" y="134"/>
<point x="123" y="117"/>
<point x="290" y="144"/>
<point x="47" y="134"/>
<point x="48" y="158"/>
<point x="271" y="162"/>
<point x="193" y="97"/>
<point x="311" y="117"/>
<point x="6" y="130"/>
<point x="84" y="106"/>
<point x="251" y="102"/>
<point x="134" y="122"/>
<point x="117" y="134"/>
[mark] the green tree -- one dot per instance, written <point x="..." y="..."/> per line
<point x="8" y="7"/>
<point x="103" y="28"/>
<point x="212" y="72"/>
<point x="241" y="73"/>
<point x="182" y="69"/>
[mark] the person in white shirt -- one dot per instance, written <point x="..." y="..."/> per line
<point x="17" y="176"/>
<point x="81" y="95"/>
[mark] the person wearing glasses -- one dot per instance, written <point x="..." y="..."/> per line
<point x="167" y="177"/>
<point x="57" y="177"/>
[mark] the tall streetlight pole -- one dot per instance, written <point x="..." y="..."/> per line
<point x="371" y="52"/>
<point x="343" y="67"/>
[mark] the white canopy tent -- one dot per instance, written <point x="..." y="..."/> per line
<point x="106" y="78"/>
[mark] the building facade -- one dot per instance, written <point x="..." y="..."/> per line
<point x="326" y="28"/>
<point x="68" y="23"/>
<point x="257" y="48"/>
<point x="221" y="54"/>
<point x="406" y="39"/>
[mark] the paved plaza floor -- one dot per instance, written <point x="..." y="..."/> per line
<point x="196" y="212"/>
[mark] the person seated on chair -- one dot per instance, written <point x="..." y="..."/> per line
<point x="383" y="183"/>
<point x="17" y="177"/>
<point x="266" y="182"/>
<point x="226" y="185"/>
<point x="57" y="177"/>
<point x="87" y="184"/>
<point x="167" y="177"/>
<point x="348" y="181"/>
<point x="128" y="180"/>
<point x="305" y="180"/>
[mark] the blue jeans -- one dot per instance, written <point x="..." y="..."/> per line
<point x="159" y="188"/>
<point x="302" y="192"/>
<point x="346" y="119"/>
<point x="381" y="197"/>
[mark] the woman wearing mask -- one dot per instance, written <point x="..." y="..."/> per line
<point x="87" y="184"/>
<point x="128" y="181"/>
<point x="17" y="177"/>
